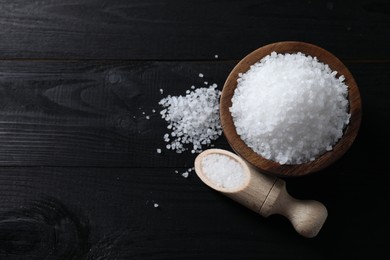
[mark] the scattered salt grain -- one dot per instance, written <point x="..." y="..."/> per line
<point x="158" y="150"/>
<point x="193" y="119"/>
<point x="201" y="75"/>
<point x="156" y="205"/>
<point x="161" y="91"/>
<point x="216" y="56"/>
<point x="205" y="82"/>
<point x="223" y="171"/>
<point x="290" y="108"/>
<point x="185" y="174"/>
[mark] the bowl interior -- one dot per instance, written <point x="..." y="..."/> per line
<point x="271" y="167"/>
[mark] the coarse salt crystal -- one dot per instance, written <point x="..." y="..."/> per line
<point x="223" y="171"/>
<point x="290" y="108"/>
<point x="193" y="119"/>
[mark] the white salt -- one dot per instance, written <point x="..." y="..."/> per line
<point x="185" y="174"/>
<point x="158" y="150"/>
<point x="216" y="56"/>
<point x="193" y="119"/>
<point x="223" y="171"/>
<point x="156" y="205"/>
<point x="201" y="75"/>
<point x="290" y="108"/>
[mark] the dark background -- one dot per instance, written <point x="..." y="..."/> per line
<point x="79" y="169"/>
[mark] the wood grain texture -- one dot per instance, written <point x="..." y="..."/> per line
<point x="325" y="159"/>
<point x="69" y="113"/>
<point x="79" y="171"/>
<point x="188" y="30"/>
<point x="72" y="113"/>
<point x="191" y="222"/>
<point x="62" y="113"/>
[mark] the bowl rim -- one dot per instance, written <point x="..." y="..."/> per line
<point x="272" y="167"/>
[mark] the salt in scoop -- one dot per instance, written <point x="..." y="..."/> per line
<point x="262" y="193"/>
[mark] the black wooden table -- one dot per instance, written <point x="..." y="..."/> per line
<point x="80" y="175"/>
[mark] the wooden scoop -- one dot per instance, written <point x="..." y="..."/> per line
<point x="267" y="195"/>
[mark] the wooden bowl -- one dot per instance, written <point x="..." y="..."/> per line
<point x="272" y="167"/>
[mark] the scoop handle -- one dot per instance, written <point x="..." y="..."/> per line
<point x="306" y="216"/>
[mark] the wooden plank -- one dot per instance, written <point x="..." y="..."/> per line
<point x="72" y="113"/>
<point x="195" y="30"/>
<point x="45" y="212"/>
<point x="91" y="113"/>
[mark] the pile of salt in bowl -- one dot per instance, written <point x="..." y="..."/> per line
<point x="290" y="108"/>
